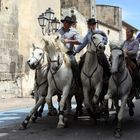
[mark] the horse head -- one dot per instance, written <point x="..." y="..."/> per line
<point x="53" y="44"/>
<point x="117" y="58"/>
<point x="55" y="49"/>
<point x="97" y="41"/>
<point x="37" y="57"/>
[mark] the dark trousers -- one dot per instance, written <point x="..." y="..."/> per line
<point x="75" y="69"/>
<point x="104" y="63"/>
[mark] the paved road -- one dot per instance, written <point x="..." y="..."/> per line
<point x="83" y="129"/>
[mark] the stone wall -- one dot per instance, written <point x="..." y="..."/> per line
<point x="9" y="48"/>
<point x="110" y="15"/>
<point x="30" y="32"/>
<point x="85" y="7"/>
<point x="19" y="29"/>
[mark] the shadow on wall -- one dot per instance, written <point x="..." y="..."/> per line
<point x="27" y="69"/>
<point x="13" y="69"/>
<point x="20" y="63"/>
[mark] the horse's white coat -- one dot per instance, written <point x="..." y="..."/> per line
<point x="92" y="72"/>
<point x="120" y="83"/>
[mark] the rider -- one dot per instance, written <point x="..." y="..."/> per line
<point x="138" y="56"/>
<point x="71" y="37"/>
<point x="87" y="39"/>
<point x="130" y="47"/>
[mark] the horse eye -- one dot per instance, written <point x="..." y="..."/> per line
<point x="94" y="37"/>
<point x="120" y="55"/>
<point x="40" y="54"/>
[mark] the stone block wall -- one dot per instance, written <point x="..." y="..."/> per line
<point x="8" y="47"/>
<point x="85" y="7"/>
<point x="111" y="15"/>
<point x="19" y="28"/>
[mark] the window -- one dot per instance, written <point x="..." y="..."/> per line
<point x="108" y="32"/>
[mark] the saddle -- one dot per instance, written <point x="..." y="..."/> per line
<point x="134" y="72"/>
<point x="130" y="65"/>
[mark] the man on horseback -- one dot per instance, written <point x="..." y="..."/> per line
<point x="87" y="39"/>
<point x="130" y="47"/>
<point x="71" y="37"/>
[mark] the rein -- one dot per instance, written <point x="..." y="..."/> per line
<point x="39" y="84"/>
<point x="38" y="60"/>
<point x="92" y="52"/>
<point x="58" y="62"/>
<point x="53" y="73"/>
<point x="89" y="77"/>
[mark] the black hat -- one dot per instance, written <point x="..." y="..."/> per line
<point x="91" y="21"/>
<point x="68" y="19"/>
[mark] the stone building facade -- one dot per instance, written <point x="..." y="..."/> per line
<point x="86" y="7"/>
<point x="19" y="29"/>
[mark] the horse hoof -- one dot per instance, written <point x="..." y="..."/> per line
<point x="60" y="126"/>
<point x="52" y="113"/>
<point x="117" y="133"/>
<point x="33" y="120"/>
<point x="22" y="127"/>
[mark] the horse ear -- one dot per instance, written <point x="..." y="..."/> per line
<point x="33" y="46"/>
<point x="113" y="45"/>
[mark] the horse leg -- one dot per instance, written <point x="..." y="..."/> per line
<point x="130" y="103"/>
<point x="88" y="104"/>
<point x="79" y="100"/>
<point x="52" y="110"/>
<point x="41" y="109"/>
<point x="26" y="121"/>
<point x="117" y="132"/>
<point x="68" y="104"/>
<point x="36" y="114"/>
<point x="86" y="100"/>
<point x="61" y="123"/>
<point x="98" y="90"/>
<point x="49" y="98"/>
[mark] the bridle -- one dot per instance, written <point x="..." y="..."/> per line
<point x="92" y="52"/>
<point x="96" y="46"/>
<point x="58" y="61"/>
<point x="39" y="60"/>
<point x="116" y="81"/>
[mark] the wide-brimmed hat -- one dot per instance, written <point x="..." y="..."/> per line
<point x="68" y="19"/>
<point x="92" y="21"/>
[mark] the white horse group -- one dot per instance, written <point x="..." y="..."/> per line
<point x="60" y="79"/>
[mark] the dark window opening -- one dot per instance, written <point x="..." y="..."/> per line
<point x="108" y="32"/>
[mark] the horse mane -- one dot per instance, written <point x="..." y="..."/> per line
<point x="53" y="44"/>
<point x="115" y="45"/>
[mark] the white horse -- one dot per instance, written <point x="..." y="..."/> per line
<point x="60" y="76"/>
<point x="38" y="62"/>
<point x="92" y="74"/>
<point x="120" y="84"/>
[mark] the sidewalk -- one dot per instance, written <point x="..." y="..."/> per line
<point x="15" y="103"/>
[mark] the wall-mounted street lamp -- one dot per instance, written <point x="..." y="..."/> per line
<point x="47" y="22"/>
